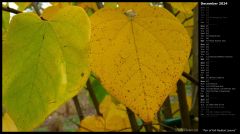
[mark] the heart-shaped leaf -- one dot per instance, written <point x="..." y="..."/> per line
<point x="44" y="64"/>
<point x="139" y="55"/>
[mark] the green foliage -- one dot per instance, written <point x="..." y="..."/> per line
<point x="98" y="89"/>
<point x="5" y="21"/>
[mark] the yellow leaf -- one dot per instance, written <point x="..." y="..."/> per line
<point x="174" y="88"/>
<point x="190" y="30"/>
<point x="111" y="4"/>
<point x="187" y="70"/>
<point x="49" y="12"/>
<point x="106" y="105"/>
<point x="185" y="7"/>
<point x="92" y="123"/>
<point x="155" y="121"/>
<point x="8" y="124"/>
<point x="5" y="21"/>
<point x="114" y="118"/>
<point x="87" y="5"/>
<point x="117" y="119"/>
<point x="139" y="55"/>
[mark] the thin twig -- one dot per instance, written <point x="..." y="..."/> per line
<point x="8" y="9"/>
<point x="187" y="19"/>
<point x="93" y="96"/>
<point x="85" y="128"/>
<point x="78" y="107"/>
<point x="99" y="5"/>
<point x="11" y="10"/>
<point x="177" y="13"/>
<point x="190" y="26"/>
<point x="162" y="124"/>
<point x="189" y="77"/>
<point x="80" y="125"/>
<point x="168" y="6"/>
<point x="132" y="120"/>
<point x="35" y="6"/>
<point x="183" y="106"/>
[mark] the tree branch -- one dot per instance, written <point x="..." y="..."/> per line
<point x="187" y="19"/>
<point x="177" y="13"/>
<point x="93" y="96"/>
<point x="78" y="107"/>
<point x="99" y="5"/>
<point x="11" y="10"/>
<point x="189" y="77"/>
<point x="168" y="7"/>
<point x="182" y="100"/>
<point x="132" y="120"/>
<point x="35" y="6"/>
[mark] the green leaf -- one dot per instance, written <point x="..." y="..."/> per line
<point x="44" y="64"/>
<point x="5" y="21"/>
<point x="89" y="11"/>
<point x="98" y="89"/>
